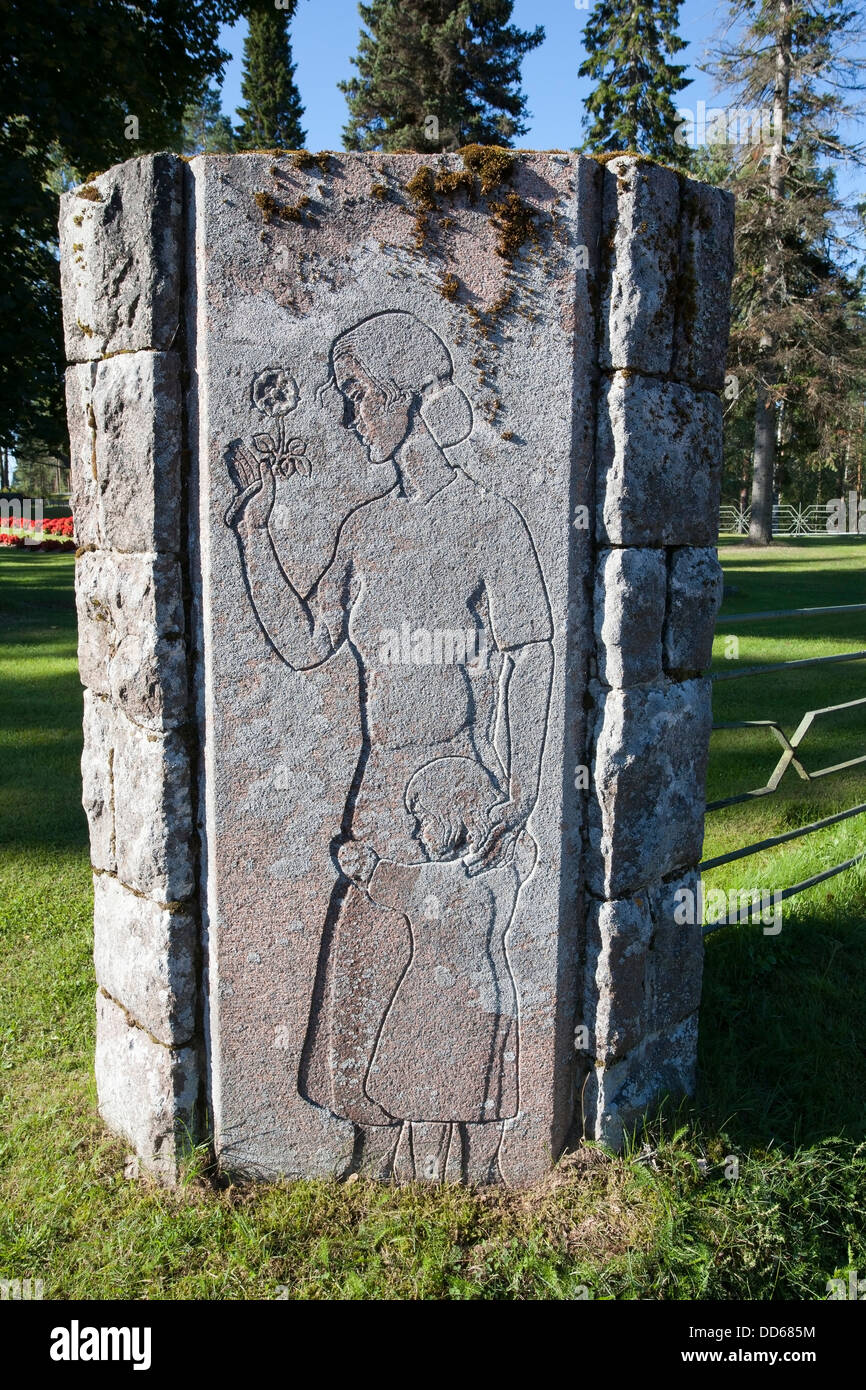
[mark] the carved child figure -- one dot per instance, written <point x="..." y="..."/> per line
<point x="446" y="1058"/>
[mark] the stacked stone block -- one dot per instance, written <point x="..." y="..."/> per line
<point x="121" y="244"/>
<point x="666" y="260"/>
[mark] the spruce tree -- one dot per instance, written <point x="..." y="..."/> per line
<point x="794" y="60"/>
<point x="271" y="118"/>
<point x="437" y="74"/>
<point x="631" y="106"/>
<point x="205" y="129"/>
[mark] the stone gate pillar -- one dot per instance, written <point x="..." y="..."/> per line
<point x="396" y="487"/>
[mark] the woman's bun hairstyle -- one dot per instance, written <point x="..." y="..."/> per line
<point x="448" y="416"/>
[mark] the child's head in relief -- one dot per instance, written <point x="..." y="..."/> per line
<point x="450" y="799"/>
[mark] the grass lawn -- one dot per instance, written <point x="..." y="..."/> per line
<point x="782" y="1060"/>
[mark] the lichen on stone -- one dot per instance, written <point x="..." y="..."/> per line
<point x="686" y="298"/>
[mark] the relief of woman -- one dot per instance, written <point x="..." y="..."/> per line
<point x="441" y="552"/>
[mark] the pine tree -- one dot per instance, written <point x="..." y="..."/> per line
<point x="631" y="106"/>
<point x="817" y="327"/>
<point x="796" y="59"/>
<point x="820" y="334"/>
<point x="437" y="74"/>
<point x="205" y="129"/>
<point x="271" y="118"/>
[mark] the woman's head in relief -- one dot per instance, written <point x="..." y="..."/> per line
<point x="392" y="370"/>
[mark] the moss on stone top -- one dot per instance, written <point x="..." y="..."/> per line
<point x="449" y="287"/>
<point x="451" y="181"/>
<point x="422" y="188"/>
<point x="485" y="169"/>
<point x="515" y="225"/>
<point x="271" y="208"/>
<point x="492" y="164"/>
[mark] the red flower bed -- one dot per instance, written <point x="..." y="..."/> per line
<point x="56" y="533"/>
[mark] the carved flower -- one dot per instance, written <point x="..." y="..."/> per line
<point x="292" y="460"/>
<point x="275" y="393"/>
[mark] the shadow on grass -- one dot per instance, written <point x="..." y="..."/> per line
<point x="802" y="573"/>
<point x="41" y="703"/>
<point x="782" y="1055"/>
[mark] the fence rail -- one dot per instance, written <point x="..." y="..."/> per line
<point x="736" y="618"/>
<point x="788" y="520"/>
<point x="789" y="758"/>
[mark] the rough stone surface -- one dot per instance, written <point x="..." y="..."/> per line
<point x="136" y="793"/>
<point x="640" y="238"/>
<point x="147" y="1092"/>
<point x="84" y="481"/>
<point x="643" y="968"/>
<point x="647" y="798"/>
<point x="695" y="585"/>
<point x="675" y="959"/>
<point x="125" y="446"/>
<point x="130" y="635"/>
<point x="145" y="956"/>
<point x="619" y="1093"/>
<point x="618" y="936"/>
<point x="400" y="894"/>
<point x="97" y="794"/>
<point x="120" y="240"/>
<point x="152" y="813"/>
<point x="658" y="463"/>
<point x="630" y="589"/>
<point x="706" y="265"/>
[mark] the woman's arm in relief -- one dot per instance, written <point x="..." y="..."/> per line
<point x="300" y="631"/>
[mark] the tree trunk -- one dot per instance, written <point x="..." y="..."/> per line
<point x="764" y="458"/>
<point x="763" y="466"/>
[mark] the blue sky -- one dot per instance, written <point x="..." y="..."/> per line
<point x="325" y="36"/>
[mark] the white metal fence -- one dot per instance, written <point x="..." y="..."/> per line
<point x="787" y="520"/>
